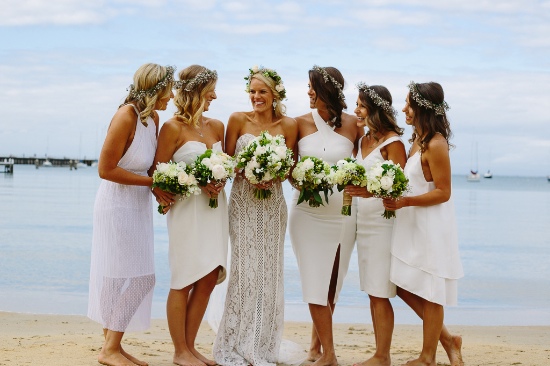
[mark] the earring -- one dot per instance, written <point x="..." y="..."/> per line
<point x="274" y="104"/>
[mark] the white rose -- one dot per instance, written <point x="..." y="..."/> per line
<point x="260" y="150"/>
<point x="280" y="87"/>
<point x="373" y="186"/>
<point x="341" y="163"/>
<point x="218" y="172"/>
<point x="255" y="69"/>
<point x="267" y="177"/>
<point x="281" y="151"/>
<point x="386" y="183"/>
<point x="207" y="162"/>
<point x="162" y="168"/>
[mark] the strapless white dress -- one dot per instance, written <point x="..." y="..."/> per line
<point x="374" y="234"/>
<point x="316" y="232"/>
<point x="198" y="234"/>
<point x="425" y="258"/>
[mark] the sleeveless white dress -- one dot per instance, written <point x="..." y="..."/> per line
<point x="122" y="271"/>
<point x="316" y="232"/>
<point x="425" y="258"/>
<point x="197" y="234"/>
<point x="374" y="234"/>
<point x="251" y="327"/>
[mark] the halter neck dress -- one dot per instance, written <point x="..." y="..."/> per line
<point x="374" y="234"/>
<point x="122" y="271"/>
<point x="425" y="259"/>
<point x="317" y="232"/>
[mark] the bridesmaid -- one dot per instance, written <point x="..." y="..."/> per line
<point x="122" y="271"/>
<point x="251" y="327"/>
<point x="382" y="142"/>
<point x="198" y="234"/>
<point x="322" y="238"/>
<point x="425" y="262"/>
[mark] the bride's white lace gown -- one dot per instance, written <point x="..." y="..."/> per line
<point x="251" y="327"/>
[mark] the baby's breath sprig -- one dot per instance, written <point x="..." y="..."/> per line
<point x="423" y="102"/>
<point x="327" y="78"/>
<point x="140" y="94"/>
<point x="377" y="99"/>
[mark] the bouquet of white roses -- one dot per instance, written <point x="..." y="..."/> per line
<point x="213" y="166"/>
<point x="387" y="180"/>
<point x="264" y="159"/>
<point x="175" y="178"/>
<point x="312" y="175"/>
<point x="348" y="172"/>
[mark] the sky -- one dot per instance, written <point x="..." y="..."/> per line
<point x="65" y="65"/>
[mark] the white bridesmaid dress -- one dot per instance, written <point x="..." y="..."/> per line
<point x="122" y="270"/>
<point x="425" y="259"/>
<point x="317" y="232"/>
<point x="374" y="234"/>
<point x="198" y="234"/>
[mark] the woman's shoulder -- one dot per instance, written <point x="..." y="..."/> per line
<point x="349" y="119"/>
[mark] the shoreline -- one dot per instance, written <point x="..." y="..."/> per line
<point x="58" y="340"/>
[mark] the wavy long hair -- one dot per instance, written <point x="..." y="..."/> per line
<point x="190" y="104"/>
<point x="328" y="93"/>
<point x="379" y="119"/>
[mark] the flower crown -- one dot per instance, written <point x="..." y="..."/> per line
<point x="268" y="73"/>
<point x="377" y="99"/>
<point x="201" y="78"/>
<point x="327" y="78"/>
<point x="423" y="102"/>
<point x="167" y="79"/>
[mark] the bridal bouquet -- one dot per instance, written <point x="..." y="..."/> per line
<point x="348" y="172"/>
<point x="387" y="180"/>
<point x="264" y="159"/>
<point x="175" y="178"/>
<point x="312" y="175"/>
<point x="213" y="166"/>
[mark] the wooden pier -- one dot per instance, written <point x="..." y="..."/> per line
<point x="7" y="164"/>
<point x="9" y="161"/>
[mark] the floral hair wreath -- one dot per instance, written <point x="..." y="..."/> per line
<point x="327" y="78"/>
<point x="268" y="73"/>
<point x="140" y="94"/>
<point x="201" y="78"/>
<point x="377" y="99"/>
<point x="423" y="102"/>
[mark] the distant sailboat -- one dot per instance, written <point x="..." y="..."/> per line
<point x="488" y="174"/>
<point x="474" y="172"/>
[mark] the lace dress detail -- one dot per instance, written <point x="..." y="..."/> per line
<point x="251" y="327"/>
<point x="122" y="271"/>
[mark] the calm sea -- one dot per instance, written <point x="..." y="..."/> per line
<point x="504" y="233"/>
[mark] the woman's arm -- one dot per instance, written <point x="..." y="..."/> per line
<point x="119" y="138"/>
<point x="233" y="132"/>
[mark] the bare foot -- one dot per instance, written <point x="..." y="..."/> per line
<point x="419" y="362"/>
<point x="187" y="359"/>
<point x="375" y="361"/>
<point x="114" y="359"/>
<point x="132" y="358"/>
<point x="326" y="361"/>
<point x="204" y="360"/>
<point x="314" y="355"/>
<point x="453" y="347"/>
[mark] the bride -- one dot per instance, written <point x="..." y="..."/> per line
<point x="251" y="327"/>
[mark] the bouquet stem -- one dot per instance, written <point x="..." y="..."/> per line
<point x="346" y="206"/>
<point x="388" y="214"/>
<point x="213" y="203"/>
<point x="262" y="194"/>
<point x="160" y="209"/>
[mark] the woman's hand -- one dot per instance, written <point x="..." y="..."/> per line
<point x="356" y="191"/>
<point x="392" y="204"/>
<point x="163" y="198"/>
<point x="213" y="188"/>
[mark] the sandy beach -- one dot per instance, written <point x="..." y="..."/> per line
<point x="59" y="340"/>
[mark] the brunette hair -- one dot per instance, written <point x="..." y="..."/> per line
<point x="329" y="93"/>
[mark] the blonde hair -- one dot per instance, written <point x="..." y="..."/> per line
<point x="279" y="109"/>
<point x="147" y="78"/>
<point x="190" y="103"/>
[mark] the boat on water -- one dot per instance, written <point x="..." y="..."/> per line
<point x="548" y="177"/>
<point x="473" y="176"/>
<point x="47" y="163"/>
<point x="488" y="174"/>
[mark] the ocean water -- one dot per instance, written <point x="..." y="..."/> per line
<point x="504" y="235"/>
